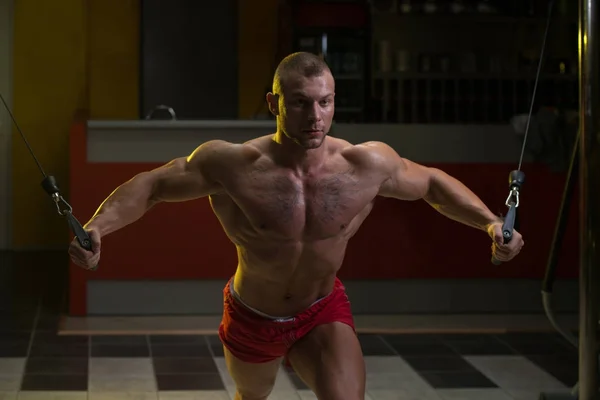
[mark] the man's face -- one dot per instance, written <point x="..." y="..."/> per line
<point x="306" y="108"/>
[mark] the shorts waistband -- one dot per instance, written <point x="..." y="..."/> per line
<point x="237" y="297"/>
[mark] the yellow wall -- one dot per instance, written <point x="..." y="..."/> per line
<point x="77" y="55"/>
<point x="257" y="44"/>
<point x="49" y="85"/>
<point x="85" y="55"/>
<point x="114" y="58"/>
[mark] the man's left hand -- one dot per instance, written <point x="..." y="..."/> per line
<point x="504" y="252"/>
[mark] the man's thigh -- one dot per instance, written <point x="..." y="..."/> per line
<point x="252" y="380"/>
<point x="329" y="360"/>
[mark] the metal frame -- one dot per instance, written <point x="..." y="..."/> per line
<point x="589" y="207"/>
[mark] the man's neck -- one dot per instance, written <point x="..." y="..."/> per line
<point x="294" y="156"/>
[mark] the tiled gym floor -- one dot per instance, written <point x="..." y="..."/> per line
<point x="36" y="363"/>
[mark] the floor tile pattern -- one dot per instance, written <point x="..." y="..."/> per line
<point x="36" y="363"/>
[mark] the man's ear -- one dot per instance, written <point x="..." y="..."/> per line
<point x="273" y="102"/>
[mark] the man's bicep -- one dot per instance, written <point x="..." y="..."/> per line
<point x="413" y="181"/>
<point x="188" y="178"/>
<point x="407" y="180"/>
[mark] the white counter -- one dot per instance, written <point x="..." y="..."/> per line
<point x="160" y="141"/>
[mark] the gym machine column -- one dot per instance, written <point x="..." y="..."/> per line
<point x="589" y="200"/>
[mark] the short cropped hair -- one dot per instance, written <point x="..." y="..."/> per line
<point x="306" y="64"/>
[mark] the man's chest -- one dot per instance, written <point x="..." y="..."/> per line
<point x="319" y="205"/>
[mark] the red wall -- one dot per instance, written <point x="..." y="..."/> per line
<point x="399" y="240"/>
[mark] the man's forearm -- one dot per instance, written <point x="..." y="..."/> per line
<point x="454" y="200"/>
<point x="128" y="203"/>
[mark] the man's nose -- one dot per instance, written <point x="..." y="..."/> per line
<point x="314" y="113"/>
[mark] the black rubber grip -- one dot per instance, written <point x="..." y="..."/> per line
<point x="82" y="236"/>
<point x="507" y="229"/>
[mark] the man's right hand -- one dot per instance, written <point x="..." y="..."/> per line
<point x="82" y="257"/>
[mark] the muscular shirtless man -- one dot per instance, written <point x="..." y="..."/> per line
<point x="290" y="201"/>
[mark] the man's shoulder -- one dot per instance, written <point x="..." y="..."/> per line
<point x="222" y="154"/>
<point x="230" y="150"/>
<point x="368" y="154"/>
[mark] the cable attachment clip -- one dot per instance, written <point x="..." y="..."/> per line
<point x="516" y="179"/>
<point x="513" y="198"/>
<point x="64" y="209"/>
<point x="58" y="200"/>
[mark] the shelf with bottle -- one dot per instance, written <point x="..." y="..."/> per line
<point x="465" y="101"/>
<point x="389" y="60"/>
<point x="481" y="10"/>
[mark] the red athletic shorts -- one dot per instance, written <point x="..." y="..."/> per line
<point x="254" y="338"/>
